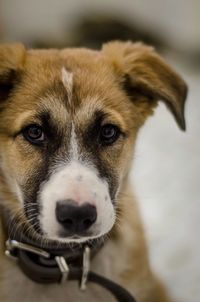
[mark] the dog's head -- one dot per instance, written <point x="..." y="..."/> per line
<point x="68" y="122"/>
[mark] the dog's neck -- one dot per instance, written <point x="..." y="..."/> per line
<point x="42" y="272"/>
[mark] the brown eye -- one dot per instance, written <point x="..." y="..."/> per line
<point x="109" y="134"/>
<point x="34" y="134"/>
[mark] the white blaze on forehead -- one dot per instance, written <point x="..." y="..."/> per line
<point x="73" y="145"/>
<point x="67" y="79"/>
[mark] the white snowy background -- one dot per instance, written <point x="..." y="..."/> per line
<point x="166" y="177"/>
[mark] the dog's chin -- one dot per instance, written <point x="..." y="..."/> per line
<point x="62" y="236"/>
<point x="75" y="239"/>
<point x="60" y="240"/>
<point x="71" y="242"/>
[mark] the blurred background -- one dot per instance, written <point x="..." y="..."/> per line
<point x="166" y="169"/>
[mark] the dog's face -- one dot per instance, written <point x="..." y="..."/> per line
<point x="68" y="122"/>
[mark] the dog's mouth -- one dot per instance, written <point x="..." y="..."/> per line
<point x="63" y="239"/>
<point x="26" y="232"/>
<point x="87" y="225"/>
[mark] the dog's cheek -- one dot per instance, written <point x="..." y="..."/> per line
<point x="10" y="169"/>
<point x="23" y="169"/>
<point x="113" y="165"/>
<point x="30" y="188"/>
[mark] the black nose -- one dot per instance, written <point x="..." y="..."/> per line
<point x="74" y="218"/>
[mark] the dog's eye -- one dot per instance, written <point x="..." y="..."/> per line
<point x="109" y="134"/>
<point x="34" y="134"/>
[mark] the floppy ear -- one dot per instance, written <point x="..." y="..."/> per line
<point x="145" y="71"/>
<point x="11" y="62"/>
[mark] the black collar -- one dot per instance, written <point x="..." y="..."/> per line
<point x="55" y="265"/>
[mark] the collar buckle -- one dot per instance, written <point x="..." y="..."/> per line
<point x="86" y="268"/>
<point x="12" y="245"/>
<point x="63" y="267"/>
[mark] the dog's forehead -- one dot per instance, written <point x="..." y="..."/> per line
<point x="81" y="72"/>
<point x="66" y="82"/>
<point x="58" y="74"/>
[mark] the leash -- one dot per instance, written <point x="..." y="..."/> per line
<point x="52" y="265"/>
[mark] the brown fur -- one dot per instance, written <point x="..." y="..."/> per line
<point x="124" y="79"/>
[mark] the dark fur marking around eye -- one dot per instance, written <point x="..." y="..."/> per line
<point x="51" y="130"/>
<point x="53" y="147"/>
<point x="92" y="150"/>
<point x="55" y="144"/>
<point x="94" y="127"/>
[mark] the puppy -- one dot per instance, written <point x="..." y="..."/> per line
<point x="68" y="125"/>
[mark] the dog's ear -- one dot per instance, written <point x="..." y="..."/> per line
<point x="12" y="58"/>
<point x="142" y="69"/>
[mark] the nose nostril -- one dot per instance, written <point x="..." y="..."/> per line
<point x="74" y="218"/>
<point x="87" y="223"/>
<point x="68" y="222"/>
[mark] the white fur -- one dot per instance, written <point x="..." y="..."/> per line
<point x="73" y="151"/>
<point x="67" y="79"/>
<point x="81" y="183"/>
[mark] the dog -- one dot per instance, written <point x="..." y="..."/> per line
<point x="68" y="124"/>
